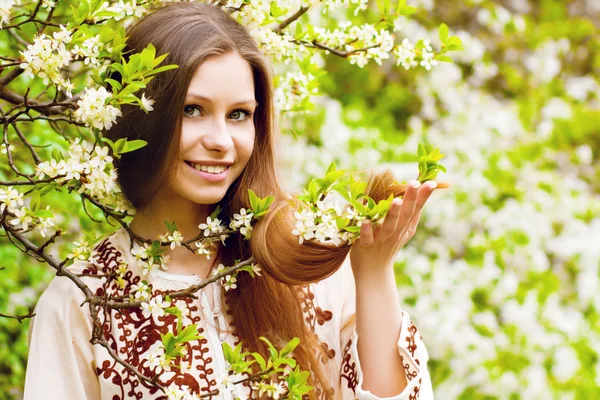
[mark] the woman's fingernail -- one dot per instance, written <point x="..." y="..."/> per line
<point x="432" y="184"/>
<point x="415" y="184"/>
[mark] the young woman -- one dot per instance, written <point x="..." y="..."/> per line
<point x="215" y="113"/>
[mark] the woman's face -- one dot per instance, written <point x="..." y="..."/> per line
<point x="217" y="133"/>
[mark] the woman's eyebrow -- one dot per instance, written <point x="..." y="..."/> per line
<point x="200" y="97"/>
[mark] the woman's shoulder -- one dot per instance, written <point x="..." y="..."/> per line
<point x="64" y="289"/>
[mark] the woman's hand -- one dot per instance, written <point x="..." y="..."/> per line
<point x="374" y="253"/>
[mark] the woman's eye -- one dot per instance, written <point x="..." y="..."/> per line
<point x="240" y="115"/>
<point x="192" y="111"/>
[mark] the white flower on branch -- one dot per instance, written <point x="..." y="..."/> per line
<point x="212" y="226"/>
<point x="164" y="260"/>
<point x="226" y="383"/>
<point x="174" y="392"/>
<point x="5" y="6"/>
<point x="10" y="198"/>
<point x="406" y="54"/>
<point x="147" y="104"/>
<point x="81" y="251"/>
<point x="89" y="50"/>
<point x="140" y="252"/>
<point x="141" y="292"/>
<point x="427" y="56"/>
<point x="155" y="307"/>
<point x="46" y="56"/>
<point x="175" y="238"/>
<point x="48" y="4"/>
<point x="305" y="225"/>
<point x="22" y="217"/>
<point x="204" y="248"/>
<point x="157" y="358"/>
<point x="125" y="9"/>
<point x="148" y="266"/>
<point x="229" y="282"/>
<point x="273" y="390"/>
<point x="94" y="109"/>
<point x="45" y="223"/>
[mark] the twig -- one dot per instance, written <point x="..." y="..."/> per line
<point x="6" y="79"/>
<point x="291" y="19"/>
<point x="36" y="158"/>
<point x="187" y="292"/>
<point x="19" y="318"/>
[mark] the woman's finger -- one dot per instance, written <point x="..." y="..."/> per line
<point x="390" y="222"/>
<point x="409" y="205"/>
<point x="424" y="193"/>
<point x="366" y="233"/>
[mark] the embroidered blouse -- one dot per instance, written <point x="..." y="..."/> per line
<point x="64" y="365"/>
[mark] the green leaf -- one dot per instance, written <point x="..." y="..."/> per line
<point x="188" y="334"/>
<point x="253" y="200"/>
<point x="162" y="69"/>
<point x="171" y="226"/>
<point x="289" y="347"/>
<point x="260" y="361"/>
<point x="116" y="86"/>
<point x="443" y="58"/>
<point x="36" y="200"/>
<point x="331" y="168"/>
<point x="341" y="222"/>
<point x="408" y="10"/>
<point x="443" y="31"/>
<point x="133" y="145"/>
<point x="44" y="214"/>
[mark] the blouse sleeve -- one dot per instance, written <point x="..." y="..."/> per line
<point x="60" y="361"/>
<point x="410" y="347"/>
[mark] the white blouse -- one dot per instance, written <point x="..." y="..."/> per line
<point x="63" y="364"/>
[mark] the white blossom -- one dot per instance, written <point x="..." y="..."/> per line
<point x="155" y="308"/>
<point x="147" y="104"/>
<point x="94" y="110"/>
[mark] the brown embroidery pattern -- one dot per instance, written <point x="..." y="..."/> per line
<point x="408" y="370"/>
<point x="410" y="340"/>
<point x="416" y="391"/>
<point x="132" y="335"/>
<point x="315" y="315"/>
<point x="349" y="368"/>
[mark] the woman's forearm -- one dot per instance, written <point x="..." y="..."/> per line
<point x="378" y="323"/>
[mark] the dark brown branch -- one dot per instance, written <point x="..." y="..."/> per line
<point x="58" y="266"/>
<point x="292" y="18"/>
<point x="33" y="182"/>
<point x="187" y="292"/>
<point x="6" y="79"/>
<point x="19" y="318"/>
<point x="36" y="158"/>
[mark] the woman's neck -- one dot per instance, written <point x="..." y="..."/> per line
<point x="149" y="223"/>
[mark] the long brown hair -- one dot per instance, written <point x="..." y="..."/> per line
<point x="269" y="305"/>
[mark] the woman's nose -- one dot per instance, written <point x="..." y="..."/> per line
<point x="218" y="138"/>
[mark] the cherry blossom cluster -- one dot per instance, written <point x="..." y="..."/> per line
<point x="230" y="281"/>
<point x="94" y="110"/>
<point x="91" y="168"/>
<point x="5" y="7"/>
<point x="47" y="56"/>
<point x="294" y="89"/>
<point x="22" y="217"/>
<point x="320" y="223"/>
<point x="149" y="259"/>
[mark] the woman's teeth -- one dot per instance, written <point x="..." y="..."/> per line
<point x="211" y="169"/>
